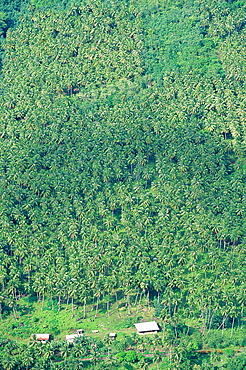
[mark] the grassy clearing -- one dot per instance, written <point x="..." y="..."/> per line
<point x="45" y="316"/>
<point x="38" y="317"/>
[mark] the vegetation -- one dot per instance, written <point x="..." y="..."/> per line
<point x="122" y="161"/>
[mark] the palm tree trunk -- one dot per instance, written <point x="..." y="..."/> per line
<point x="139" y="302"/>
<point x="42" y="302"/>
<point x="84" y="306"/>
<point x="210" y="321"/>
<point x="232" y="325"/>
<point x="116" y="301"/>
<point x="72" y="307"/>
<point x="108" y="306"/>
<point x="97" y="306"/>
<point x="14" y="311"/>
<point x="128" y="303"/>
<point x="148" y="300"/>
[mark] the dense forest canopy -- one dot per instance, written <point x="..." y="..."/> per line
<point x="122" y="130"/>
<point x="104" y="159"/>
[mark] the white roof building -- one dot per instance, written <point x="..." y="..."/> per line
<point x="112" y="335"/>
<point x="42" y="337"/>
<point x="147" y="327"/>
<point x="70" y="337"/>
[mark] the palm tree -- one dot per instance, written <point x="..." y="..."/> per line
<point x="142" y="365"/>
<point x="9" y="362"/>
<point x="157" y="358"/>
<point x="65" y="351"/>
<point x="79" y="350"/>
<point x="94" y="357"/>
<point x="27" y="359"/>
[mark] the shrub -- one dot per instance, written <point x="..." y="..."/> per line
<point x="229" y="352"/>
<point x="237" y="363"/>
<point x="128" y="356"/>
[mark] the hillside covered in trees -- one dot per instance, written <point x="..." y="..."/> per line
<point x="122" y="156"/>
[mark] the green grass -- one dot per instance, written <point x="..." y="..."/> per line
<point x="44" y="317"/>
<point x="41" y="317"/>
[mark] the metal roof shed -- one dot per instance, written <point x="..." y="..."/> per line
<point x="147" y="327"/>
<point x="42" y="337"/>
<point x="70" y="338"/>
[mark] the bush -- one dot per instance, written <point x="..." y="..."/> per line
<point x="158" y="307"/>
<point x="229" y="352"/>
<point x="218" y="321"/>
<point x="127" y="356"/>
<point x="214" y="340"/>
<point x="237" y="363"/>
<point x="131" y="356"/>
<point x="120" y="356"/>
<point x="123" y="343"/>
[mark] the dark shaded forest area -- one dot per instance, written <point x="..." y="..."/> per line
<point x="122" y="155"/>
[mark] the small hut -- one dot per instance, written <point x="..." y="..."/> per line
<point x="112" y="335"/>
<point x="71" y="337"/>
<point x="41" y="337"/>
<point x="150" y="327"/>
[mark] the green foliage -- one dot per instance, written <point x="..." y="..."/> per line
<point x="3" y="24"/>
<point x="45" y="4"/>
<point x="217" y="321"/>
<point x="126" y="323"/>
<point x="10" y="11"/>
<point x="158" y="307"/>
<point x="122" y="162"/>
<point x="218" y="339"/>
<point x="129" y="356"/>
<point x="229" y="352"/>
<point x="237" y="363"/>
